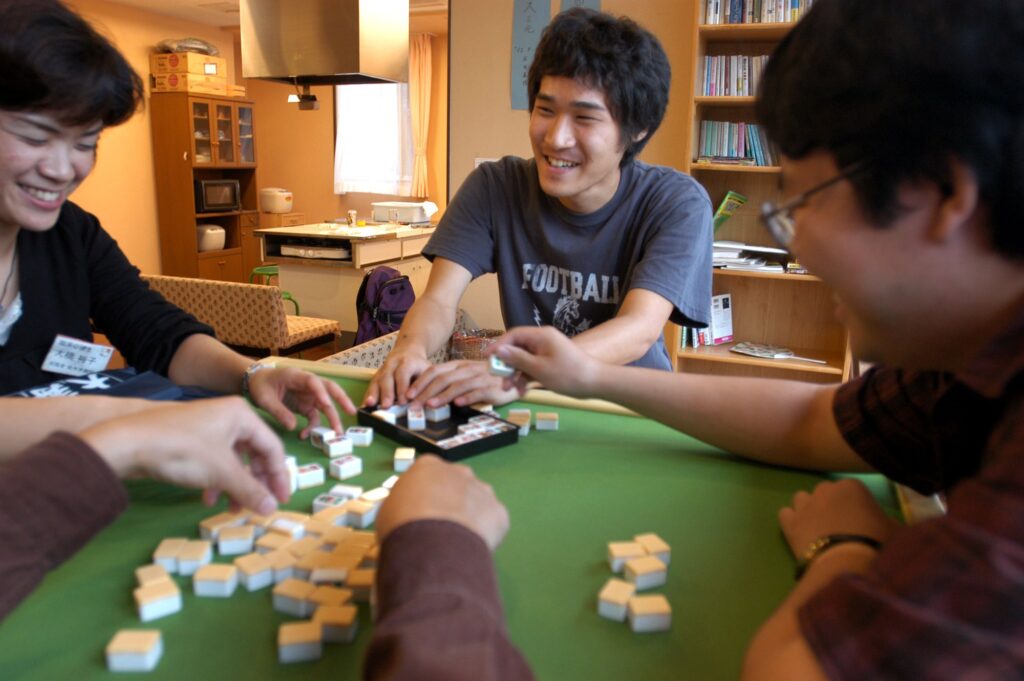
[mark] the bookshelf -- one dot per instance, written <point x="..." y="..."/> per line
<point x="791" y="310"/>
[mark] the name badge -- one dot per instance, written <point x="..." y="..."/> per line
<point x="74" y="357"/>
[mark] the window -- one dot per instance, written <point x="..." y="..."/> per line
<point x="374" y="150"/>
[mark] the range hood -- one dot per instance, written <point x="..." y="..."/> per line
<point x="325" y="42"/>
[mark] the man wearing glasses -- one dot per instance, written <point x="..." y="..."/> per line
<point x="901" y="126"/>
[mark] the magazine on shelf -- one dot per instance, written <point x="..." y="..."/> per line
<point x="739" y="245"/>
<point x="775" y="267"/>
<point x="765" y="351"/>
<point x="730" y="204"/>
<point x="721" y="319"/>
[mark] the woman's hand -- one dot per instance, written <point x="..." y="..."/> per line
<point x="285" y="391"/>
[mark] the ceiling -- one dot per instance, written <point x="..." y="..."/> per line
<point x="225" y="12"/>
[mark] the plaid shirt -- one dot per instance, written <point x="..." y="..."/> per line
<point x="945" y="598"/>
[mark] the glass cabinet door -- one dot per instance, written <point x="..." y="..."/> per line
<point x="225" y="134"/>
<point x="246" y="139"/>
<point x="202" y="146"/>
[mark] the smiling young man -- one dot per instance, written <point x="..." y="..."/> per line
<point x="903" y="165"/>
<point x="583" y="237"/>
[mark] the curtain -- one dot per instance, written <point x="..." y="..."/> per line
<point x="419" y="107"/>
<point x="374" y="151"/>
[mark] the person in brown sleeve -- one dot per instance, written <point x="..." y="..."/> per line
<point x="901" y="128"/>
<point x="439" y="612"/>
<point x="59" y="493"/>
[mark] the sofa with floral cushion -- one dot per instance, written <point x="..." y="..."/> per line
<point x="248" y="317"/>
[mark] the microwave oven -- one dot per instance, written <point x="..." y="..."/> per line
<point x="218" y="196"/>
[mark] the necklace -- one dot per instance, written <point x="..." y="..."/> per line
<point x="10" y="274"/>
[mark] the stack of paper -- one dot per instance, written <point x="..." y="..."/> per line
<point x="736" y="255"/>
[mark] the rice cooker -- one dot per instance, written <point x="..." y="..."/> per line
<point x="275" y="200"/>
<point x="210" y="237"/>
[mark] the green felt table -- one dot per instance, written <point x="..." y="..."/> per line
<point x="601" y="477"/>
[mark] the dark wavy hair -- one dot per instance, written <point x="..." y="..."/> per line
<point x="616" y="56"/>
<point x="53" y="60"/>
<point x="907" y="86"/>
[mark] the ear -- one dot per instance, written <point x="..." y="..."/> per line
<point x="639" y="136"/>
<point x="957" y="207"/>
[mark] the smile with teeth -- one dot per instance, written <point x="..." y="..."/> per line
<point x="41" y="194"/>
<point x="559" y="163"/>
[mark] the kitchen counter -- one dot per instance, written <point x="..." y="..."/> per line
<point x="338" y="245"/>
<point x="323" y="264"/>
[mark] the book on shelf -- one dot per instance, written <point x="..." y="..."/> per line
<point x="743" y="143"/>
<point x="729" y="205"/>
<point x="733" y="8"/>
<point x="758" y="152"/>
<point x="692" y="337"/>
<point x="718" y="332"/>
<point x="754" y="11"/>
<point x="735" y="75"/>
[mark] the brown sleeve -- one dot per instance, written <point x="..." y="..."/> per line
<point x="439" y="611"/>
<point x="888" y="416"/>
<point x="54" y="497"/>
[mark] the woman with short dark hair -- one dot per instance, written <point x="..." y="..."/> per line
<point x="61" y="274"/>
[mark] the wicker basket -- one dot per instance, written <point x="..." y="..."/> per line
<point x="470" y="344"/>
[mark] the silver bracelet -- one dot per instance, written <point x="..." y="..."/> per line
<point x="250" y="370"/>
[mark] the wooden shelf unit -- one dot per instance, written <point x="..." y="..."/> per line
<point x="739" y="33"/>
<point x="723" y="354"/>
<point x="708" y="101"/>
<point x="203" y="137"/>
<point x="792" y="310"/>
<point x="729" y="168"/>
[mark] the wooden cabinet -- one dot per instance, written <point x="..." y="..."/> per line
<point x="282" y="219"/>
<point x="252" y="245"/>
<point x="222" y="133"/>
<point x="225" y="265"/>
<point x="195" y="138"/>
<point x="792" y="310"/>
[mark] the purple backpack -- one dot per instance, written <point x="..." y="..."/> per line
<point x="381" y="303"/>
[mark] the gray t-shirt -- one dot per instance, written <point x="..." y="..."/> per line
<point x="572" y="271"/>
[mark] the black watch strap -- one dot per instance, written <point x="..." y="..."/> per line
<point x="823" y="544"/>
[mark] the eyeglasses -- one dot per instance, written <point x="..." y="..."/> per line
<point x="779" y="219"/>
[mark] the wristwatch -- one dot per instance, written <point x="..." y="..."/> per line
<point x="250" y="370"/>
<point x="823" y="544"/>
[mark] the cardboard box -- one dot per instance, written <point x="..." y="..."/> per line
<point x="188" y="62"/>
<point x="236" y="91"/>
<point x="189" y="82"/>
